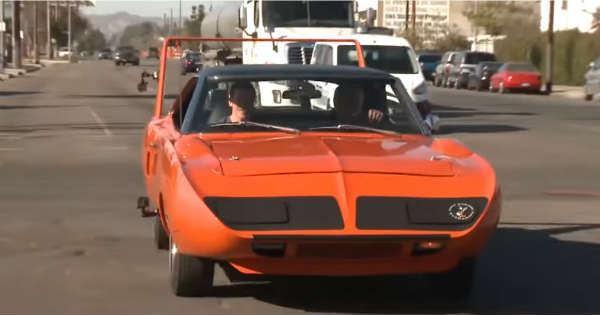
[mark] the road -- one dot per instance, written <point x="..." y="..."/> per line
<point x="71" y="240"/>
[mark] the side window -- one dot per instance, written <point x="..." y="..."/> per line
<point x="597" y="64"/>
<point x="327" y="55"/>
<point x="316" y="55"/>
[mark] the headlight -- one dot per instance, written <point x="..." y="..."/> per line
<point x="420" y="89"/>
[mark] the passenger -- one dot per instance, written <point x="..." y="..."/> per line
<point x="241" y="100"/>
<point x="349" y="100"/>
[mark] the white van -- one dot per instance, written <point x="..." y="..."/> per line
<point x="387" y="53"/>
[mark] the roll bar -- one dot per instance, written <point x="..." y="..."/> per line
<point x="163" y="56"/>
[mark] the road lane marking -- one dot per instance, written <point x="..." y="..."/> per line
<point x="11" y="149"/>
<point x="115" y="148"/>
<point x="100" y="122"/>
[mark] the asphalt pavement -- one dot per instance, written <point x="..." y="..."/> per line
<point x="71" y="240"/>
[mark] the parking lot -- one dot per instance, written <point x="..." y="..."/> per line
<point x="72" y="241"/>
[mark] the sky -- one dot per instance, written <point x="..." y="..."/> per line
<point x="155" y="8"/>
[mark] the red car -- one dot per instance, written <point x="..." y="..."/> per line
<point x="516" y="76"/>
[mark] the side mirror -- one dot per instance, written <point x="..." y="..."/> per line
<point x="242" y="19"/>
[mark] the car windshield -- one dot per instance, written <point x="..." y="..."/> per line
<point x="193" y="56"/>
<point x="475" y="58"/>
<point x="520" y="67"/>
<point x="392" y="59"/>
<point x="490" y="66"/>
<point x="345" y="106"/>
<point x="308" y="13"/>
<point x="430" y="58"/>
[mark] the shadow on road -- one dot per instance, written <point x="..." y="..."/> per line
<point x="521" y="272"/>
<point x="15" y="93"/>
<point x="456" y="112"/>
<point x="477" y="128"/>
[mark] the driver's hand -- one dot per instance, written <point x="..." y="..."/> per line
<point x="375" y="115"/>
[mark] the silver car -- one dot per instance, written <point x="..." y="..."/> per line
<point x="592" y="80"/>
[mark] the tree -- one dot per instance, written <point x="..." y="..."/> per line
<point x="193" y="25"/>
<point x="141" y="36"/>
<point x="59" y="27"/>
<point x="502" y="17"/>
<point x="452" y="40"/>
<point x="92" y="40"/>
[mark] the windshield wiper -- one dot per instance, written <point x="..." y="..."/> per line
<point x="255" y="124"/>
<point x="355" y="127"/>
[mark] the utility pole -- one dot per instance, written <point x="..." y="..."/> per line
<point x="406" y="15"/>
<point x="414" y="17"/>
<point x="36" y="48"/>
<point x="16" y="35"/>
<point x="550" y="49"/>
<point x="69" y="29"/>
<point x="180" y="18"/>
<point x="2" y="55"/>
<point x="476" y="29"/>
<point x="48" y="32"/>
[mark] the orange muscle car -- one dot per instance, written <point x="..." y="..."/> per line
<point x="312" y="170"/>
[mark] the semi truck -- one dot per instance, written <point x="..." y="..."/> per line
<point x="274" y="19"/>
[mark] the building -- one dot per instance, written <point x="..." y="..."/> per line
<point x="573" y="14"/>
<point x="433" y="17"/>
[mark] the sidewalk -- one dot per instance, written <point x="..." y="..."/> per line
<point x="28" y="67"/>
<point x="568" y="91"/>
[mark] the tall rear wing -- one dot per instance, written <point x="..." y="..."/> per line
<point x="160" y="90"/>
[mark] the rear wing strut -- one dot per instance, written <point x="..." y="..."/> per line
<point x="163" y="56"/>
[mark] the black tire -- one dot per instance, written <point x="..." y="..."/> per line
<point x="589" y="97"/>
<point x="478" y="87"/>
<point x="161" y="238"/>
<point x="190" y="275"/>
<point x="456" y="284"/>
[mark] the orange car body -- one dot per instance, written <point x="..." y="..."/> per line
<point x="199" y="180"/>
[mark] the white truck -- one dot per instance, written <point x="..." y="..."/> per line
<point x="274" y="19"/>
<point x="391" y="54"/>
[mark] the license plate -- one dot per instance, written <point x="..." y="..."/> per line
<point x="525" y="84"/>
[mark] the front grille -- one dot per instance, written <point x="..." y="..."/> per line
<point x="299" y="53"/>
<point x="277" y="213"/>
<point x="396" y="213"/>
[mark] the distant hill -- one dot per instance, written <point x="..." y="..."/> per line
<point x="114" y="24"/>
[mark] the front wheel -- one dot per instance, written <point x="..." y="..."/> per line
<point x="189" y="275"/>
<point x="458" y="282"/>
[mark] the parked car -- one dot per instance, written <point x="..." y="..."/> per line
<point x="127" y="54"/>
<point x="153" y="53"/>
<point x="428" y="63"/>
<point x="480" y="79"/>
<point x="592" y="80"/>
<point x="440" y="76"/>
<point x="463" y="64"/>
<point x="105" y="53"/>
<point x="516" y="76"/>
<point x="192" y="62"/>
<point x="64" y="52"/>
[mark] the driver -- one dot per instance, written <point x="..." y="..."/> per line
<point x="241" y="100"/>
<point x="348" y="101"/>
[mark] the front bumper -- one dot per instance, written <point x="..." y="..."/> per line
<point x="345" y="251"/>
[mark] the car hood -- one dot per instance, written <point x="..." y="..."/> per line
<point x="325" y="154"/>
